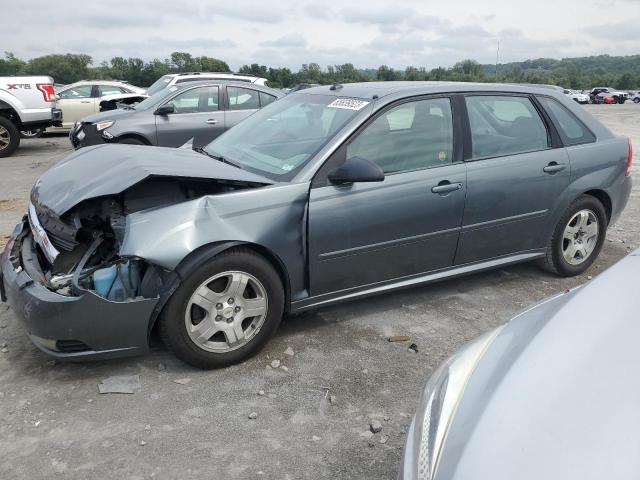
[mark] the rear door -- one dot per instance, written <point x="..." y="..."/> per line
<point x="76" y="103"/>
<point x="197" y="116"/>
<point x="242" y="102"/>
<point x="516" y="171"/>
<point x="365" y="233"/>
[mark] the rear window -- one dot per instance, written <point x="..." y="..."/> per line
<point x="571" y="129"/>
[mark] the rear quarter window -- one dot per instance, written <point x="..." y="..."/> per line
<point x="571" y="129"/>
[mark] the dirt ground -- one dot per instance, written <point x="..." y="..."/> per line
<point x="55" y="424"/>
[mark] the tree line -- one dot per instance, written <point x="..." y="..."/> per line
<point x="576" y="73"/>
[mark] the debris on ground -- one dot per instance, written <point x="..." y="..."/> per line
<point x="413" y="347"/>
<point x="147" y="428"/>
<point x="253" y="416"/>
<point x="142" y="443"/>
<point x="375" y="426"/>
<point x="275" y="364"/>
<point x="399" y="338"/>
<point x="4" y="350"/>
<point x="367" y="434"/>
<point x="332" y="399"/>
<point x="284" y="368"/>
<point x="386" y="418"/>
<point x="261" y="392"/>
<point x="120" y="384"/>
<point x="383" y="439"/>
<point x="315" y="438"/>
<point x="289" y="351"/>
<point x="182" y="381"/>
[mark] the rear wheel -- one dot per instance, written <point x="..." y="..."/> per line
<point x="577" y="238"/>
<point x="37" y="133"/>
<point x="224" y="311"/>
<point x="9" y="137"/>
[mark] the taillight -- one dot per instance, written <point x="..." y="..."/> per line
<point x="627" y="172"/>
<point x="47" y="90"/>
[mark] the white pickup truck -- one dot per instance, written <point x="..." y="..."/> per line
<point x="26" y="103"/>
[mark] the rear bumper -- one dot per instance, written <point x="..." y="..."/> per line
<point x="620" y="198"/>
<point x="84" y="327"/>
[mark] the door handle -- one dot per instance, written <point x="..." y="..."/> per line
<point x="212" y="121"/>
<point x="554" y="167"/>
<point x="85" y="101"/>
<point x="445" y="187"/>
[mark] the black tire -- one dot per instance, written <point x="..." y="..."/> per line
<point x="554" y="260"/>
<point x="132" y="141"/>
<point x="10" y="131"/>
<point x="621" y="100"/>
<point x="173" y="330"/>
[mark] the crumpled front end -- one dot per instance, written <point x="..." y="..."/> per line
<point x="66" y="320"/>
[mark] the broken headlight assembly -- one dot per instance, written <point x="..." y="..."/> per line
<point x="438" y="404"/>
<point x="100" y="126"/>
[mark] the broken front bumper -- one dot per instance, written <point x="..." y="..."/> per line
<point x="86" y="134"/>
<point x="70" y="327"/>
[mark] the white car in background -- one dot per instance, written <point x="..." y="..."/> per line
<point x="634" y="97"/>
<point x="577" y="96"/>
<point x="88" y="97"/>
<point x="172" y="79"/>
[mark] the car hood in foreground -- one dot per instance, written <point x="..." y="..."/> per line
<point x="556" y="395"/>
<point x="104" y="170"/>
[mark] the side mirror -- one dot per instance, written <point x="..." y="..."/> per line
<point x="356" y="169"/>
<point x="165" y="109"/>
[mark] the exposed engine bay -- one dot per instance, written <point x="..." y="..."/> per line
<point x="80" y="249"/>
<point x="121" y="101"/>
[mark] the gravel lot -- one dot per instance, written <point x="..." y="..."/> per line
<point x="54" y="422"/>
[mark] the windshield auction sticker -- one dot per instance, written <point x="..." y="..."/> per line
<point x="348" y="104"/>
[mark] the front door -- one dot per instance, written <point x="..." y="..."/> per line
<point x="197" y="115"/>
<point x="513" y="178"/>
<point x="364" y="233"/>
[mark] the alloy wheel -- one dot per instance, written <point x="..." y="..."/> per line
<point x="5" y="138"/>
<point x="580" y="237"/>
<point x="226" y="311"/>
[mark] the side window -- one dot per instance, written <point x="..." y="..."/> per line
<point x="266" y="99"/>
<point x="572" y="131"/>
<point x="108" y="90"/>
<point x="503" y="125"/>
<point x="243" y="98"/>
<point x="196" y="100"/>
<point x="81" y="91"/>
<point x="411" y="136"/>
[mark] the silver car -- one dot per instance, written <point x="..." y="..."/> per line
<point x="197" y="111"/>
<point x="552" y="394"/>
<point x="329" y="194"/>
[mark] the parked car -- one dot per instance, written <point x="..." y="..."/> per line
<point x="576" y="96"/>
<point x="635" y="98"/>
<point x="618" y="96"/>
<point x="87" y="97"/>
<point x="175" y="79"/>
<point x="537" y="397"/>
<point x="326" y="195"/>
<point x="196" y="110"/>
<point x="26" y="103"/>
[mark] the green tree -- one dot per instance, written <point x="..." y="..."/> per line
<point x="11" y="65"/>
<point x="67" y="68"/>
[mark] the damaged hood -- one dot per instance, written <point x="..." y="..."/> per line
<point x="104" y="170"/>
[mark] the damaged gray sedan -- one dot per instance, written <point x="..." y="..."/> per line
<point x="326" y="195"/>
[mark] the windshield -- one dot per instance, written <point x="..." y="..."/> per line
<point x="154" y="99"/>
<point x="282" y="136"/>
<point x="159" y="84"/>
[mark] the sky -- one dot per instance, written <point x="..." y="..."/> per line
<point x="289" y="33"/>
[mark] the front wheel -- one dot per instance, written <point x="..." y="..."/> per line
<point x="636" y="100"/>
<point x="9" y="137"/>
<point x="577" y="238"/>
<point x="224" y="311"/>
